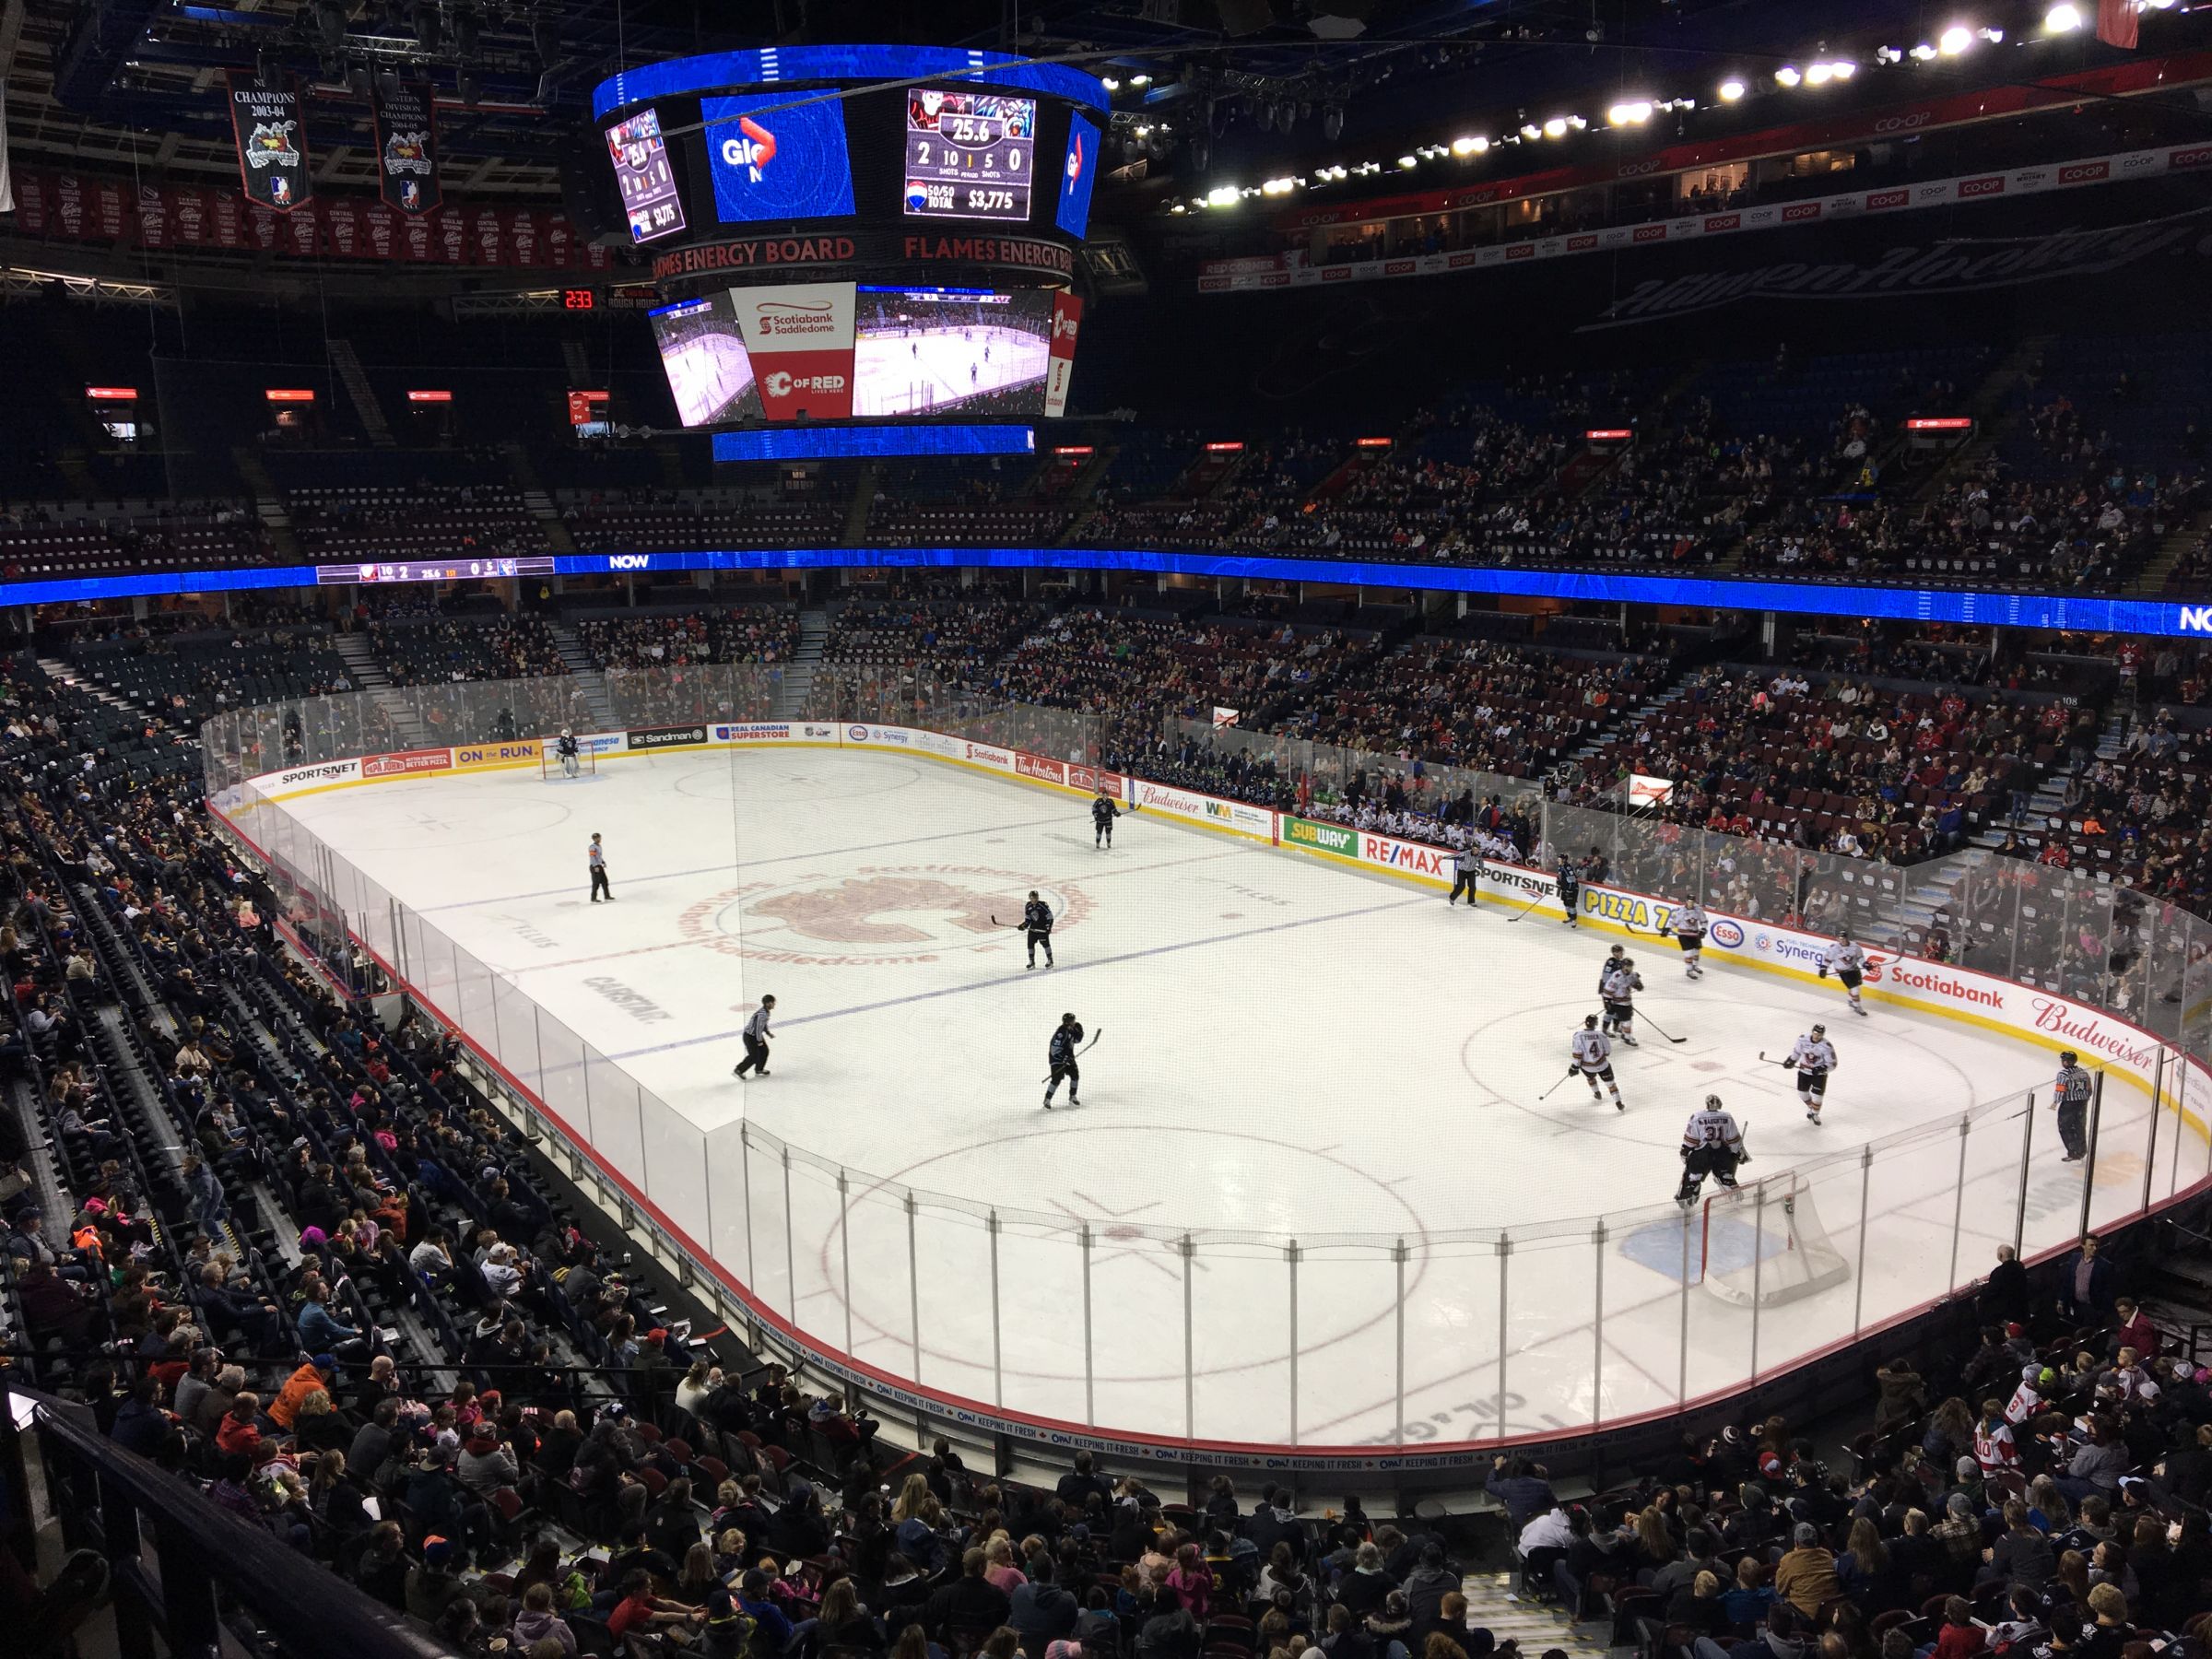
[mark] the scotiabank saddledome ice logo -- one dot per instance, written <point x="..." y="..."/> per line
<point x="883" y="915"/>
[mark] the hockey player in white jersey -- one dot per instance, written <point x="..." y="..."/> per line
<point x="1712" y="1144"/>
<point x="1686" y="921"/>
<point x="1618" y="988"/>
<point x="1848" y="963"/>
<point x="1813" y="1058"/>
<point x="1593" y="1059"/>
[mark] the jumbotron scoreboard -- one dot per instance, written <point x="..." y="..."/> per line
<point x="969" y="154"/>
<point x="854" y="234"/>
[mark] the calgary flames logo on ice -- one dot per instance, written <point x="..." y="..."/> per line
<point x="877" y="915"/>
<point x="873" y="910"/>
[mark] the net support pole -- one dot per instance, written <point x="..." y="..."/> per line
<point x="1966" y="1128"/>
<point x="1397" y="1389"/>
<point x="998" y="1380"/>
<point x="2157" y="1105"/>
<point x="1759" y="1262"/>
<point x="2089" y="1168"/>
<point x="744" y="1175"/>
<point x="844" y="1249"/>
<point x="913" y="1286"/>
<point x="1291" y="1257"/>
<point x="1090" y="1407"/>
<point x="1597" y="1322"/>
<point x="1682" y="1349"/>
<point x="1505" y="1266"/>
<point x="1858" y="1276"/>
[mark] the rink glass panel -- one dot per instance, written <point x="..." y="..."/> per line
<point x="1253" y="1338"/>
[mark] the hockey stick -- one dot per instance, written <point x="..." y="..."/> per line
<point x="1656" y="1027"/>
<point x="1529" y="906"/>
<point x="1084" y="1050"/>
<point x="1547" y="1094"/>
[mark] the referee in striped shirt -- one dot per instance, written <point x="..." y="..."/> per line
<point x="756" y="1041"/>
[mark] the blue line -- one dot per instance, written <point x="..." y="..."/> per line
<point x="1004" y="979"/>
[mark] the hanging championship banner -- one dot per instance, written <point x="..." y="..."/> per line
<point x="407" y="149"/>
<point x="271" y="140"/>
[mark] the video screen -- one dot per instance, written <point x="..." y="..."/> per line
<point x="966" y="351"/>
<point x="641" y="170"/>
<point x="773" y="159"/>
<point x="703" y="354"/>
<point x="970" y="154"/>
<point x="1078" y="172"/>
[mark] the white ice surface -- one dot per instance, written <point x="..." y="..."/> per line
<point x="1289" y="1050"/>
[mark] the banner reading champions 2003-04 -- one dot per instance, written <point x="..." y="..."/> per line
<point x="271" y="140"/>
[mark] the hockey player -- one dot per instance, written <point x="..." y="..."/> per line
<point x="1618" y="988"/>
<point x="1067" y="1035"/>
<point x="1612" y="961"/>
<point x="1102" y="814"/>
<point x="565" y="747"/>
<point x="2070" y="1092"/>
<point x="1712" y="1146"/>
<point x="1037" y="927"/>
<point x="1570" y="889"/>
<point x="1812" y="1059"/>
<point x="1467" y="874"/>
<point x="1593" y="1052"/>
<point x="1848" y="962"/>
<point x="1686" y="923"/>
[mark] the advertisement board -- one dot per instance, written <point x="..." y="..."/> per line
<point x="477" y="756"/>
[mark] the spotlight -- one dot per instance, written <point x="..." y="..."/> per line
<point x="1408" y="161"/>
<point x="1633" y="114"/>
<point x="2061" y="19"/>
<point x="1140" y="80"/>
<point x="1222" y="195"/>
<point x="1531" y="131"/>
<point x="1110" y="85"/>
<point x="1470" y="147"/>
<point x="1731" y="89"/>
<point x="1922" y="52"/>
<point x="1955" y="39"/>
<point x="1555" y="127"/>
<point x="1788" y="76"/>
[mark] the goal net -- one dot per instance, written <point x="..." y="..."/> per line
<point x="549" y="765"/>
<point x="1764" y="1245"/>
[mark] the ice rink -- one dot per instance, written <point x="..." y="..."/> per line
<point x="1289" y="1050"/>
<point x="903" y="374"/>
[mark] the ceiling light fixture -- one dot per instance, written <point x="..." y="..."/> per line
<point x="1731" y="89"/>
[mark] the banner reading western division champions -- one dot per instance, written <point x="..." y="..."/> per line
<point x="407" y="149"/>
<point x="271" y="140"/>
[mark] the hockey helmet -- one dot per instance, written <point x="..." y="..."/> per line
<point x="1712" y="1103"/>
<point x="2067" y="1057"/>
<point x="1589" y="1022"/>
<point x="1819" y="1030"/>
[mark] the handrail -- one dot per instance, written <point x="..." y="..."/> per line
<point x="305" y="1606"/>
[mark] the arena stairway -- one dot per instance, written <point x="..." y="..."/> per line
<point x="589" y="680"/>
<point x="1495" y="1605"/>
<point x="367" y="673"/>
<point x="798" y="679"/>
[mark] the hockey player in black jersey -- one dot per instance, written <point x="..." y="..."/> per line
<point x="1037" y="927"/>
<point x="1061" y="1053"/>
<point x="1102" y="814"/>
<point x="1570" y="889"/>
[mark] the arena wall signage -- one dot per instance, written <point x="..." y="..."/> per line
<point x="2130" y="168"/>
<point x="2089" y="614"/>
<point x="828" y="253"/>
<point x="663" y="738"/>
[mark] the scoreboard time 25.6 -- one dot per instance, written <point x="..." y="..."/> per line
<point x="970" y="154"/>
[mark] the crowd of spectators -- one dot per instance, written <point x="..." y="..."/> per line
<point x="432" y="653"/>
<point x="746" y="634"/>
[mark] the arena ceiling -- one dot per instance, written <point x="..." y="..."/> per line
<point x="135" y="84"/>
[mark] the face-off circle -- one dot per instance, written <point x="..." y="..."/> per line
<point x="876" y="915"/>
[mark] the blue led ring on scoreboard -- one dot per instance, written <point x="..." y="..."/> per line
<point x="717" y="71"/>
